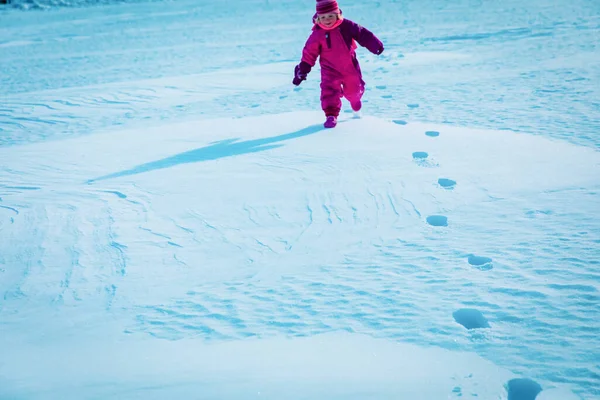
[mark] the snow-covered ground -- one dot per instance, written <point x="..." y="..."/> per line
<point x="176" y="223"/>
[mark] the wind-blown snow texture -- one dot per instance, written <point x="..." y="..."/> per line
<point x="174" y="221"/>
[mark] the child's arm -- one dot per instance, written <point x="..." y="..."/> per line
<point x="311" y="50"/>
<point x="310" y="53"/>
<point x="366" y="38"/>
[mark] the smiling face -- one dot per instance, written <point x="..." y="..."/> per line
<point x="327" y="20"/>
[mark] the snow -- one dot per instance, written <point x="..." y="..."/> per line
<point x="125" y="223"/>
<point x="175" y="221"/>
<point x="339" y="365"/>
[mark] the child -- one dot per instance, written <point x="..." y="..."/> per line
<point x="333" y="41"/>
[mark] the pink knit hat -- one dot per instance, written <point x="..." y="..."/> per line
<point x="327" y="6"/>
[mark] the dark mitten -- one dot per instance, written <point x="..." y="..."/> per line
<point x="301" y="72"/>
<point x="379" y="50"/>
<point x="298" y="76"/>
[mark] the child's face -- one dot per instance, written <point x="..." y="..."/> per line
<point x="328" y="19"/>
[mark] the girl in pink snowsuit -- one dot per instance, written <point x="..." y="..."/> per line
<point x="333" y="40"/>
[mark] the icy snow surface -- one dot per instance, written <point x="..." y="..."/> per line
<point x="176" y="223"/>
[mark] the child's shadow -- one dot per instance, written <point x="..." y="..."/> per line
<point x="224" y="148"/>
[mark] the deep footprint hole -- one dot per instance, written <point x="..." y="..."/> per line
<point x="420" y="155"/>
<point x="437" y="220"/>
<point x="523" y="389"/>
<point x="400" y="122"/>
<point x="470" y="318"/>
<point x="446" y="183"/>
<point x="480" y="262"/>
<point x="432" y="133"/>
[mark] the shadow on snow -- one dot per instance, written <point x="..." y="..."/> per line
<point x="224" y="148"/>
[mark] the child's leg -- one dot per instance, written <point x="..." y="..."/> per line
<point x="331" y="95"/>
<point x="354" y="88"/>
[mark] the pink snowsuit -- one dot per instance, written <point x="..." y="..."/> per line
<point x="340" y="71"/>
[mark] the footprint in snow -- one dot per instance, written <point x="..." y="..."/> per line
<point x="399" y="121"/>
<point x="432" y="133"/>
<point x="437" y="220"/>
<point x="522" y="389"/>
<point x="422" y="159"/>
<point x="447" y="183"/>
<point x="481" y="263"/>
<point x="470" y="318"/>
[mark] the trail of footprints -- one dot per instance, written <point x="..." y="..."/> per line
<point x="471" y="318"/>
<point x="479" y="262"/>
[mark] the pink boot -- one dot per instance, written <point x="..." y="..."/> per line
<point x="331" y="122"/>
